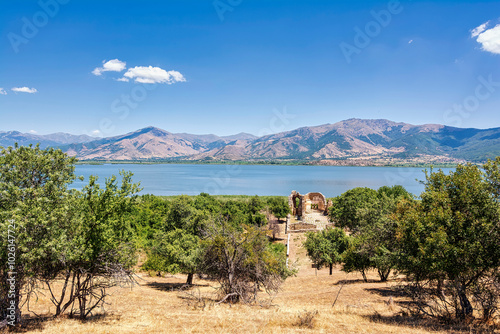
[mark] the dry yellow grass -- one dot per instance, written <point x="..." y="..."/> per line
<point x="155" y="306"/>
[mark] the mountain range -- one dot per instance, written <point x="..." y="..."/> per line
<point x="349" y="140"/>
<point x="9" y="138"/>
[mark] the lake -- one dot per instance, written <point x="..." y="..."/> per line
<point x="190" y="179"/>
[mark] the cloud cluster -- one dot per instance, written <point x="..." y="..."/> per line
<point x="150" y="75"/>
<point x="488" y="38"/>
<point x="140" y="74"/>
<point x="24" y="90"/>
<point x="2" y="91"/>
<point x="113" y="65"/>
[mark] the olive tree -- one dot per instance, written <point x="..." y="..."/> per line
<point x="349" y="210"/>
<point x="175" y="247"/>
<point x="326" y="247"/>
<point x="449" y="242"/>
<point x="79" y="237"/>
<point x="33" y="213"/>
<point x="175" y="251"/>
<point x="99" y="250"/>
<point x="372" y="245"/>
<point x="242" y="261"/>
<point x="279" y="207"/>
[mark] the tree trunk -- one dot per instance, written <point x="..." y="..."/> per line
<point x="190" y="279"/>
<point x="384" y="274"/>
<point x="364" y="276"/>
<point x="439" y="288"/>
<point x="465" y="305"/>
<point x="331" y="268"/>
<point x="63" y="293"/>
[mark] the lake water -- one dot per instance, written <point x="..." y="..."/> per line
<point x="176" y="179"/>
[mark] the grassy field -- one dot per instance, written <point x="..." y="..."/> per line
<point x="157" y="305"/>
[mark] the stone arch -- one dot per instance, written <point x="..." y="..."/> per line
<point x="295" y="203"/>
<point x="317" y="201"/>
<point x="300" y="204"/>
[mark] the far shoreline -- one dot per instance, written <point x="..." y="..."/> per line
<point x="268" y="163"/>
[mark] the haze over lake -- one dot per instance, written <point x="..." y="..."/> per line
<point x="262" y="180"/>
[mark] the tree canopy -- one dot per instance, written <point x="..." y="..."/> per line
<point x="452" y="238"/>
<point x="326" y="247"/>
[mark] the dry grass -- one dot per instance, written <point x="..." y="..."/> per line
<point x="156" y="306"/>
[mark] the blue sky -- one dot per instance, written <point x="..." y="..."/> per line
<point x="257" y="66"/>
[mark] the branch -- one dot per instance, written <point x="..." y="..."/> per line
<point x="227" y="296"/>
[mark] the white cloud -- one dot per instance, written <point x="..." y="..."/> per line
<point x="123" y="79"/>
<point x="150" y="74"/>
<point x="478" y="30"/>
<point x="489" y="38"/>
<point x="113" y="65"/>
<point x="32" y="132"/>
<point x="2" y="91"/>
<point x="410" y="41"/>
<point x="24" y="90"/>
<point x="96" y="133"/>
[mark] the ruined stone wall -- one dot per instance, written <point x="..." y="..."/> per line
<point x="308" y="203"/>
<point x="292" y="201"/>
<point x="318" y="201"/>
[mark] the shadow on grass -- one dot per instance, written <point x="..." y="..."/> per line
<point x="173" y="286"/>
<point x="31" y="323"/>
<point x="355" y="281"/>
<point x="401" y="319"/>
<point x="388" y="292"/>
<point x="406" y="319"/>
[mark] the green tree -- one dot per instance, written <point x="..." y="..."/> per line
<point x="242" y="261"/>
<point x="33" y="191"/>
<point x="347" y="208"/>
<point x="175" y="247"/>
<point x="366" y="213"/>
<point x="451" y="239"/>
<point x="326" y="247"/>
<point x="147" y="216"/>
<point x="279" y="207"/>
<point x="176" y="251"/>
<point x="373" y="243"/>
<point x="394" y="192"/>
<point x="99" y="251"/>
<point x="357" y="257"/>
<point x="255" y="204"/>
<point x="180" y="215"/>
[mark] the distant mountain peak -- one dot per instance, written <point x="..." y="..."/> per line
<point x="241" y="136"/>
<point x="352" y="138"/>
<point x="152" y="130"/>
<point x="9" y="138"/>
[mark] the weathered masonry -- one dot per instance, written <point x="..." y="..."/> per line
<point x="310" y="202"/>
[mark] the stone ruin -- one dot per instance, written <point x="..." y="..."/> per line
<point x="308" y="203"/>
